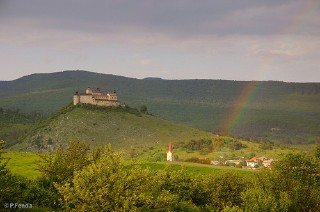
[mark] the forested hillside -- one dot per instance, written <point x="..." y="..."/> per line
<point x="127" y="129"/>
<point x="275" y="111"/>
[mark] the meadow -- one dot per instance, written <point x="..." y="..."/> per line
<point x="26" y="164"/>
<point x="23" y="163"/>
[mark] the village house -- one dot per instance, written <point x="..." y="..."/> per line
<point x="253" y="162"/>
<point x="266" y="162"/>
<point x="215" y="162"/>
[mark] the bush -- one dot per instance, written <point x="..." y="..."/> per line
<point x="198" y="160"/>
<point x="226" y="190"/>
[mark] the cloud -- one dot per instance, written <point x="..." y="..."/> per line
<point x="145" y="62"/>
<point x="175" y="18"/>
<point x="220" y="36"/>
<point x="286" y="47"/>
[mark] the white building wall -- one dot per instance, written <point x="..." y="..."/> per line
<point x="169" y="156"/>
<point x="86" y="99"/>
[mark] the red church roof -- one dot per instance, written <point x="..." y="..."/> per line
<point x="170" y="147"/>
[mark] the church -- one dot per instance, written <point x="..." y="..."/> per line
<point x="170" y="153"/>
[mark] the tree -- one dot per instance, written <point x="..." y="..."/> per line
<point x="299" y="168"/>
<point x="106" y="185"/>
<point x="317" y="153"/>
<point x="258" y="199"/>
<point x="60" y="167"/>
<point x="3" y="161"/>
<point x="299" y="176"/>
<point x="226" y="190"/>
<point x="11" y="186"/>
<point x="109" y="184"/>
<point x="144" y="109"/>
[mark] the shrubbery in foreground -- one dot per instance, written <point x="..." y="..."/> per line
<point x="79" y="180"/>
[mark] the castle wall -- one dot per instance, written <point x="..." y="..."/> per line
<point x="112" y="97"/>
<point x="86" y="99"/>
<point x="76" y="99"/>
<point x="107" y="103"/>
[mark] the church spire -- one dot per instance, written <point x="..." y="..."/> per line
<point x="170" y="147"/>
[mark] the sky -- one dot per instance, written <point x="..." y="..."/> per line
<point x="171" y="39"/>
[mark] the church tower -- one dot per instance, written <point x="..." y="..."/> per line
<point x="170" y="153"/>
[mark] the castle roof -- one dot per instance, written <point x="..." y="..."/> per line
<point x="108" y="100"/>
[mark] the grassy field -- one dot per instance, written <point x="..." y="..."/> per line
<point x="23" y="163"/>
<point x="195" y="168"/>
<point x="158" y="153"/>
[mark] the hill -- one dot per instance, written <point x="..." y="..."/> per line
<point x="276" y="111"/>
<point x="124" y="128"/>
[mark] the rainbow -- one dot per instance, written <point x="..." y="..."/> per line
<point x="251" y="88"/>
<point x="246" y="96"/>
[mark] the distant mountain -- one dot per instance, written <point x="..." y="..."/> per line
<point x="152" y="78"/>
<point x="2" y="83"/>
<point x="276" y="111"/>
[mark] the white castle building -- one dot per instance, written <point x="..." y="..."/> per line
<point x="96" y="97"/>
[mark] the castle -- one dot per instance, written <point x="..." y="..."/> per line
<point x="96" y="97"/>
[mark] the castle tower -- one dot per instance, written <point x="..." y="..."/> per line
<point x="76" y="98"/>
<point x="89" y="91"/>
<point x="170" y="153"/>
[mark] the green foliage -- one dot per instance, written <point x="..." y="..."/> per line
<point x="317" y="153"/>
<point x="202" y="145"/>
<point x="298" y="167"/>
<point x="3" y="162"/>
<point x="144" y="109"/>
<point x="14" y="124"/>
<point x="226" y="190"/>
<point x="292" y="185"/>
<point x="256" y="199"/>
<point x="198" y="160"/>
<point x="109" y="185"/>
<point x="124" y="127"/>
<point x="16" y="116"/>
<point x="235" y="144"/>
<point x="11" y="186"/>
<point x="126" y="109"/>
<point x="266" y="145"/>
<point x="61" y="166"/>
<point x="76" y="179"/>
<point x="42" y="194"/>
<point x="299" y="176"/>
